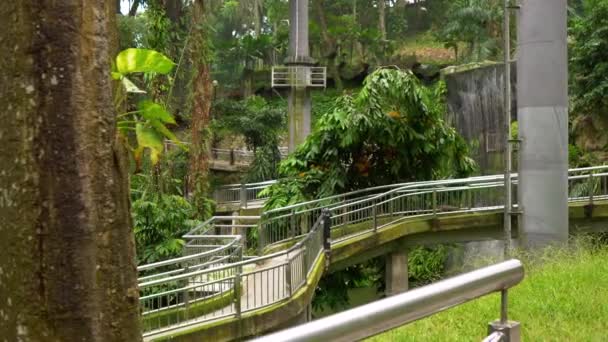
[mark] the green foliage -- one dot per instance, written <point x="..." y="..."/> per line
<point x="132" y="32"/>
<point x="392" y="131"/>
<point x="474" y="22"/>
<point x="332" y="291"/>
<point x="150" y="119"/>
<point x="159" y="224"/>
<point x="426" y="265"/>
<point x="258" y="122"/>
<point x="261" y="125"/>
<point x="514" y="130"/>
<point x="134" y="60"/>
<point x="265" y="165"/>
<point x="589" y="58"/>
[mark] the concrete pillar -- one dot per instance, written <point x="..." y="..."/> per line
<point x="299" y="51"/>
<point x="299" y="109"/>
<point x="396" y="272"/>
<point x="298" y="30"/>
<point x="542" y="100"/>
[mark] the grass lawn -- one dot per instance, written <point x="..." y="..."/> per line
<point x="564" y="297"/>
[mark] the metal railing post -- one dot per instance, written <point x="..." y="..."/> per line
<point x="261" y="237"/>
<point x="375" y="217"/>
<point x="591" y="189"/>
<point x="391" y="204"/>
<point x="186" y="294"/>
<point x="237" y="293"/>
<point x="304" y="264"/>
<point x="434" y="202"/>
<point x="504" y="330"/>
<point x="292" y="224"/>
<point x="243" y="195"/>
<point x="232" y="159"/>
<point x="288" y="277"/>
<point x="326" y="226"/>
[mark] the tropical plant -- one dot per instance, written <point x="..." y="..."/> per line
<point x="150" y="119"/>
<point x="159" y="224"/>
<point x="589" y="58"/>
<point x="260" y="124"/>
<point x="476" y="23"/>
<point x="393" y="130"/>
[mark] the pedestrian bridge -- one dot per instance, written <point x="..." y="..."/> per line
<point x="227" y="286"/>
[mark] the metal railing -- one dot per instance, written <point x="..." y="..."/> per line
<point x="231" y="156"/>
<point x="213" y="272"/>
<point x="243" y="195"/>
<point x="299" y="76"/>
<point x="377" y="317"/>
<point x="362" y="211"/>
<point x="238" y="156"/>
<point x="222" y="286"/>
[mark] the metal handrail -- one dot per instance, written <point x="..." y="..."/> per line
<point x="397" y="203"/>
<point x="377" y="317"/>
<point x="236" y="187"/>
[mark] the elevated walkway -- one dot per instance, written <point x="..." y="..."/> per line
<point x="299" y="243"/>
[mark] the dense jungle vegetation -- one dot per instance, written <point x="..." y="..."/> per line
<point x="153" y="86"/>
<point x="382" y="120"/>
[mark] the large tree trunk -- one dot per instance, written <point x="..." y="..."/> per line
<point x="202" y="93"/>
<point x="330" y="46"/>
<point x="67" y="259"/>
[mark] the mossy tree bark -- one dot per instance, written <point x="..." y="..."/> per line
<point x="67" y="259"/>
<point x="202" y="90"/>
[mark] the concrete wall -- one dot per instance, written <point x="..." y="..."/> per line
<point x="475" y="108"/>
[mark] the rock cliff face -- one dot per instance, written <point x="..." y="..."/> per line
<point x="475" y="108"/>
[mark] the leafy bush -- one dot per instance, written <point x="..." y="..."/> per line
<point x="159" y="224"/>
<point x="426" y="265"/>
<point x="393" y="130"/>
<point x="589" y="58"/>
<point x="261" y="125"/>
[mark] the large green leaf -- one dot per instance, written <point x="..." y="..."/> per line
<point x="142" y="60"/>
<point x="148" y="138"/>
<point x="153" y="111"/>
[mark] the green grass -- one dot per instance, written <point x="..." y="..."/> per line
<point x="564" y="297"/>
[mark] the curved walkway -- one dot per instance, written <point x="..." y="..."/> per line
<point x="236" y="297"/>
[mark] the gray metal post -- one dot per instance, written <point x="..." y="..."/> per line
<point x="237" y="294"/>
<point x="292" y="224"/>
<point x="326" y="226"/>
<point x="375" y="215"/>
<point x="243" y="196"/>
<point x="434" y="202"/>
<point x="507" y="123"/>
<point x="542" y="100"/>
